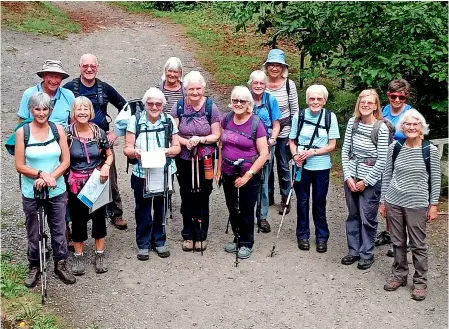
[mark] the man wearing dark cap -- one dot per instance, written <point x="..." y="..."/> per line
<point x="101" y="94"/>
<point x="52" y="74"/>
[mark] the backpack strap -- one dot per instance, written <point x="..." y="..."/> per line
<point x="426" y="155"/>
<point x="208" y="110"/>
<point x="355" y="127"/>
<point x="327" y="120"/>
<point x="375" y="132"/>
<point x="254" y="124"/>
<point x="100" y="93"/>
<point x="76" y="87"/>
<point x="180" y="108"/>
<point x="26" y="134"/>
<point x="287" y="88"/>
<point x="301" y="115"/>
<point x="397" y="148"/>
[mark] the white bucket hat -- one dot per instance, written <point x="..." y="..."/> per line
<point x="54" y="66"/>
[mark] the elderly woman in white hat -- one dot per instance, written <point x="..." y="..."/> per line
<point x="52" y="74"/>
<point x="284" y="90"/>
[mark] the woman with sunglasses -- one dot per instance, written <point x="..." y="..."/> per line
<point x="243" y="152"/>
<point x="398" y="91"/>
<point x="363" y="162"/>
<point x="409" y="199"/>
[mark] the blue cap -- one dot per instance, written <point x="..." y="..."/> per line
<point x="276" y="56"/>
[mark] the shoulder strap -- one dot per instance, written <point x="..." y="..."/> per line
<point x="161" y="85"/>
<point x="301" y="115"/>
<point x="54" y="130"/>
<point x="137" y="124"/>
<point x="26" y="134"/>
<point x="180" y="108"/>
<point x="426" y="154"/>
<point x="355" y="126"/>
<point x="100" y="94"/>
<point x="375" y="132"/>
<point x="327" y="120"/>
<point x="254" y="125"/>
<point x="227" y="119"/>
<point x="168" y="130"/>
<point x="76" y="87"/>
<point x="208" y="109"/>
<point x="397" y="148"/>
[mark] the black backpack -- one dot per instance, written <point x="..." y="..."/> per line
<point x="254" y="125"/>
<point x="302" y="120"/>
<point x="26" y="135"/>
<point x="100" y="92"/>
<point x="425" y="154"/>
<point x="207" y="110"/>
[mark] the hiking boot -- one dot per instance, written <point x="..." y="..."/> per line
<point x="231" y="247"/>
<point x="244" y="252"/>
<point x="321" y="246"/>
<point x="78" y="267"/>
<point x="390" y="252"/>
<point x="143" y="254"/>
<point x="201" y="246"/>
<point x="270" y="199"/>
<point x="162" y="251"/>
<point x="393" y="285"/>
<point x="100" y="264"/>
<point x="365" y="264"/>
<point x="382" y="238"/>
<point x="119" y="223"/>
<point x="187" y="245"/>
<point x="32" y="276"/>
<point x="283" y="205"/>
<point x="349" y="259"/>
<point x="264" y="226"/>
<point x="303" y="244"/>
<point x="63" y="271"/>
<point x="419" y="294"/>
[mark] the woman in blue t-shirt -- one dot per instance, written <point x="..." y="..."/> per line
<point x="42" y="157"/>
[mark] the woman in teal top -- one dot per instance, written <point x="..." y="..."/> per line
<point x="42" y="157"/>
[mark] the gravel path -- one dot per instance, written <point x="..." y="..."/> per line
<point x="291" y="290"/>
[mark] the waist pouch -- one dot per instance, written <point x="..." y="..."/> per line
<point x="78" y="178"/>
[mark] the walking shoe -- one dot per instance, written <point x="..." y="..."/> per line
<point x="162" y="251"/>
<point x="365" y="264"/>
<point x="32" y="276"/>
<point x="187" y="245"/>
<point x="393" y="285"/>
<point x="231" y="247"/>
<point x="264" y="226"/>
<point x="71" y="246"/>
<point x="100" y="264"/>
<point x="419" y="294"/>
<point x="321" y="246"/>
<point x="349" y="259"/>
<point x="201" y="246"/>
<point x="143" y="254"/>
<point x="270" y="199"/>
<point x="390" y="252"/>
<point x="78" y="267"/>
<point x="244" y="252"/>
<point x="119" y="223"/>
<point x="63" y="271"/>
<point x="303" y="244"/>
<point x="282" y="206"/>
<point x="383" y="238"/>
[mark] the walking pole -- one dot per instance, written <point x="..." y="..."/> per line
<point x="193" y="154"/>
<point x="285" y="208"/>
<point x="41" y="196"/>
<point x="198" y="190"/>
<point x="259" y="200"/>
<point x="238" y="169"/>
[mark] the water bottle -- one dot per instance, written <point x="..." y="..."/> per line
<point x="298" y="173"/>
<point x="208" y="168"/>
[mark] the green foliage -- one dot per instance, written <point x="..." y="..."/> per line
<point x="12" y="276"/>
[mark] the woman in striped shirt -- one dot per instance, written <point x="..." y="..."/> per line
<point x="363" y="157"/>
<point x="171" y="83"/>
<point x="410" y="191"/>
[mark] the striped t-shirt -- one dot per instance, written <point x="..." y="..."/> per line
<point x="171" y="96"/>
<point x="283" y="100"/>
<point x="363" y="148"/>
<point x="407" y="185"/>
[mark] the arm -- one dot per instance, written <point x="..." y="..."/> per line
<point x="19" y="151"/>
<point x="65" y="154"/>
<point x="375" y="173"/>
<point x="214" y="136"/>
<point x="262" y="149"/>
<point x="175" y="147"/>
<point x="104" y="172"/>
<point x="114" y="97"/>
<point x="345" y="150"/>
<point x="294" y="106"/>
<point x="220" y="159"/>
<point x="387" y="174"/>
<point x="129" y="150"/>
<point x="435" y="183"/>
<point x="275" y="130"/>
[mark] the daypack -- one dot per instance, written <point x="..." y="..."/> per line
<point x="101" y="142"/>
<point x="11" y="141"/>
<point x="207" y="111"/>
<point x="254" y="125"/>
<point x="268" y="106"/>
<point x="375" y="132"/>
<point x="301" y="121"/>
<point x="100" y="93"/>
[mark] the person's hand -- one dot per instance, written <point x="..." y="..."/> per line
<point x="137" y="153"/>
<point x="305" y="154"/>
<point x="39" y="184"/>
<point x="271" y="142"/>
<point x="351" y="184"/>
<point x="240" y="181"/>
<point x="383" y="210"/>
<point x="298" y="160"/>
<point x="218" y="174"/>
<point x="111" y="137"/>
<point x="50" y="181"/>
<point x="194" y="140"/>
<point x="360" y="186"/>
<point x="432" y="213"/>
<point x="104" y="173"/>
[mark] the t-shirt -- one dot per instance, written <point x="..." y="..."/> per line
<point x="149" y="141"/>
<point x="196" y="126"/>
<point x="394" y="119"/>
<point x="110" y="95"/>
<point x="320" y="162"/>
<point x="269" y="103"/>
<point x="172" y="96"/>
<point x="236" y="146"/>
<point x="45" y="158"/>
<point x="62" y="104"/>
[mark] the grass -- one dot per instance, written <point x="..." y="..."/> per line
<point x="37" y="17"/>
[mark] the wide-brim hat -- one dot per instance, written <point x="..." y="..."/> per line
<point x="53" y="66"/>
<point x="276" y="56"/>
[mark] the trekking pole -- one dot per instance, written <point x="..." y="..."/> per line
<point x="192" y="163"/>
<point x="238" y="169"/>
<point x="285" y="208"/>
<point x="259" y="200"/>
<point x="198" y="190"/>
<point x="41" y="196"/>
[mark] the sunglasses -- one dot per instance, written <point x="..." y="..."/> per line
<point x="316" y="99"/>
<point x="93" y="67"/>
<point x="367" y="103"/>
<point x="395" y="96"/>
<point x="151" y="105"/>
<point x="237" y="101"/>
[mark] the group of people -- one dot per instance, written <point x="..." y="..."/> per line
<point x="237" y="148"/>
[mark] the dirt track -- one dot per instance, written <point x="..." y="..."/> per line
<point x="292" y="290"/>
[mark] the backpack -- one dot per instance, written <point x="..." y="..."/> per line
<point x="268" y="106"/>
<point x="302" y="120"/>
<point x="208" y="111"/>
<point x="11" y="141"/>
<point x="288" y="120"/>
<point x="100" y="93"/>
<point x="254" y="125"/>
<point x="375" y="132"/>
<point x="101" y="142"/>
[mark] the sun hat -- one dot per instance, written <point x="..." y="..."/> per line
<point x="276" y="56"/>
<point x="54" y="66"/>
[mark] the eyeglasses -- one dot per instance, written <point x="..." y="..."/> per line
<point x="393" y="96"/>
<point x="411" y="124"/>
<point x="275" y="65"/>
<point x="241" y="101"/>
<point x="151" y="105"/>
<point x="367" y="103"/>
<point x="93" y="67"/>
<point x="316" y="99"/>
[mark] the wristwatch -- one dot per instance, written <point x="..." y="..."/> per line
<point x="315" y="153"/>
<point x="251" y="172"/>
<point x="39" y="173"/>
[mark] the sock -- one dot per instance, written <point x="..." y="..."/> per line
<point x="99" y="251"/>
<point x="77" y="255"/>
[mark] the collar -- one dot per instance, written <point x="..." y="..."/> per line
<point x="143" y="120"/>
<point x="56" y="96"/>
